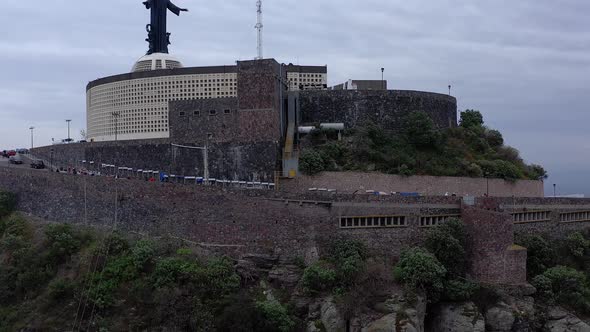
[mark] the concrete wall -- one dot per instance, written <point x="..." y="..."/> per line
<point x="349" y="182"/>
<point x="387" y="108"/>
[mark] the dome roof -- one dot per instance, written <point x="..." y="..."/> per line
<point x="156" y="61"/>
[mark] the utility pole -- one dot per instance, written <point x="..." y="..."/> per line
<point x="382" y="80"/>
<point x="68" y="121"/>
<point x="259" y="27"/>
<point x="32" y="128"/>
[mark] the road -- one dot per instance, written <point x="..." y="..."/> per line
<point x="26" y="163"/>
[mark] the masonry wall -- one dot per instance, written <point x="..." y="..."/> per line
<point x="388" y="108"/>
<point x="235" y="221"/>
<point x="349" y="182"/>
<point x="253" y="161"/>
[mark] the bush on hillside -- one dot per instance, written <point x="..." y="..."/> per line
<point x="540" y="254"/>
<point x="447" y="243"/>
<point x="319" y="277"/>
<point x="577" y="244"/>
<point x="7" y="203"/>
<point x="276" y="316"/>
<point x="311" y="162"/>
<point x="564" y="286"/>
<point x="420" y="270"/>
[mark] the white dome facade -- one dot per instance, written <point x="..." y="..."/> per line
<point x="156" y="61"/>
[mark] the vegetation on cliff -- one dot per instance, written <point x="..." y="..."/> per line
<point x="56" y="277"/>
<point x="471" y="149"/>
<point x="560" y="269"/>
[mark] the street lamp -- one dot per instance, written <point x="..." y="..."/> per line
<point x="449" y="89"/>
<point x="68" y="121"/>
<point x="382" y="80"/>
<point x="32" y="128"/>
<point x="554" y="190"/>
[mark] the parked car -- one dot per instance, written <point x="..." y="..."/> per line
<point x="11" y="153"/>
<point x="15" y="159"/>
<point x="38" y="164"/>
<point x="4" y="154"/>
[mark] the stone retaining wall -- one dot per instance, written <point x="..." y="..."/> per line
<point x="349" y="182"/>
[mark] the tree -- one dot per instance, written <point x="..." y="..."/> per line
<point x="419" y="130"/>
<point x="311" y="162"/>
<point x="447" y="243"/>
<point x="419" y="269"/>
<point x="471" y="119"/>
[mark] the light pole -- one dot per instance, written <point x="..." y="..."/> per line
<point x="554" y="190"/>
<point x="449" y="89"/>
<point x="382" y="80"/>
<point x="68" y="121"/>
<point x="32" y="128"/>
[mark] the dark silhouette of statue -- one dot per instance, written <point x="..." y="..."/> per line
<point x="158" y="37"/>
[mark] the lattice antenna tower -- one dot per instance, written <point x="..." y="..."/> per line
<point x="259" y="27"/>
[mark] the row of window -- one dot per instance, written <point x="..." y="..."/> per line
<point x="373" y="222"/>
<point x="198" y="112"/>
<point x="428" y="221"/>
<point x="575" y="216"/>
<point x="531" y="216"/>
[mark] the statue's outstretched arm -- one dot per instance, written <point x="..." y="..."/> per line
<point x="175" y="9"/>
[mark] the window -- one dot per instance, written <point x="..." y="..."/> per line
<point x="197" y="113"/>
<point x="429" y="221"/>
<point x="227" y="111"/>
<point x="531" y="216"/>
<point x="182" y="113"/>
<point x="574" y="216"/>
<point x="373" y="222"/>
<point x="213" y="112"/>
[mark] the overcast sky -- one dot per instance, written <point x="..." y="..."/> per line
<point x="524" y="64"/>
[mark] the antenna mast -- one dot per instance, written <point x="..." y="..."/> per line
<point x="259" y="27"/>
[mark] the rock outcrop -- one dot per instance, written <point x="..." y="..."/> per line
<point x="457" y="317"/>
<point x="499" y="318"/>
<point x="559" y="320"/>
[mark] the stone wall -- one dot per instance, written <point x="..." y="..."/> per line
<point x="493" y="258"/>
<point x="387" y="108"/>
<point x="254" y="161"/>
<point x="244" y="220"/>
<point x="349" y="182"/>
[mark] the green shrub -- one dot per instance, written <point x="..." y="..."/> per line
<point x="311" y="162"/>
<point x="115" y="244"/>
<point x="61" y="241"/>
<point x="16" y="225"/>
<point x="348" y="257"/>
<point x="319" y="277"/>
<point x="7" y="204"/>
<point x="171" y="271"/>
<point x="540" y="254"/>
<point x="457" y="290"/>
<point x="471" y="119"/>
<point x="142" y="252"/>
<point x="565" y="286"/>
<point x="420" y="270"/>
<point x="276" y="316"/>
<point x="577" y="244"/>
<point x="61" y="289"/>
<point x="447" y="243"/>
<point x="220" y="277"/>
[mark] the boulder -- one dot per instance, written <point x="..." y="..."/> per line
<point x="331" y="317"/>
<point x="559" y="320"/>
<point x="499" y="318"/>
<point x="457" y="317"/>
<point x="253" y="266"/>
<point x="401" y="315"/>
<point x="285" y="276"/>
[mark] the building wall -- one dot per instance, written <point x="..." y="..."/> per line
<point x="387" y="108"/>
<point x="349" y="182"/>
<point x="142" y="100"/>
